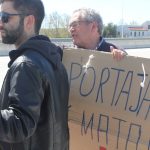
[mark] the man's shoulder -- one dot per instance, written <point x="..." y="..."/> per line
<point x="30" y="57"/>
<point x="105" y="46"/>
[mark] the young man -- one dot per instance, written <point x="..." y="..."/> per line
<point x="34" y="97"/>
<point x="85" y="27"/>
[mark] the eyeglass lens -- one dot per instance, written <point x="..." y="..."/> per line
<point x="4" y="17"/>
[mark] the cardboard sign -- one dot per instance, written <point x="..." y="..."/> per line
<point x="109" y="105"/>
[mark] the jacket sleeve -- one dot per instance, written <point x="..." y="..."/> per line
<point x="19" y="120"/>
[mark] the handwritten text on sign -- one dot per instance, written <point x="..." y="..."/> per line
<point x="107" y="96"/>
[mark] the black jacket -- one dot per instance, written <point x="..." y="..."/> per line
<point x="34" y="99"/>
<point x="105" y="46"/>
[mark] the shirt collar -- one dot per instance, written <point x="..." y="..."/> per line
<point x="101" y="39"/>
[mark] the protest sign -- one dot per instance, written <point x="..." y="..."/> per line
<point x="109" y="104"/>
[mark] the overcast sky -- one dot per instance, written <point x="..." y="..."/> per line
<point x="110" y="10"/>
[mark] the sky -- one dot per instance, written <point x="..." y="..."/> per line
<point x="114" y="11"/>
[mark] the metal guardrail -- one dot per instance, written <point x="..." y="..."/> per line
<point x="126" y="43"/>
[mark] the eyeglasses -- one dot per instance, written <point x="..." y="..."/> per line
<point x="4" y="16"/>
<point x="75" y="24"/>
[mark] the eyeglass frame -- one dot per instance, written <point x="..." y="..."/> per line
<point x="75" y="24"/>
<point x="4" y="16"/>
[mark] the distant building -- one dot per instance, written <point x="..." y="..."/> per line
<point x="132" y="31"/>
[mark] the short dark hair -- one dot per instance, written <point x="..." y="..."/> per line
<point x="30" y="7"/>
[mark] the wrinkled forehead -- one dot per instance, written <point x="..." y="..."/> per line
<point x="76" y="16"/>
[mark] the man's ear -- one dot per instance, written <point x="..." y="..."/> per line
<point x="94" y="25"/>
<point x="29" y="23"/>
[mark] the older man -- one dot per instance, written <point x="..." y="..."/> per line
<point x="86" y="27"/>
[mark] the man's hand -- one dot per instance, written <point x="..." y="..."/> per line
<point x="117" y="53"/>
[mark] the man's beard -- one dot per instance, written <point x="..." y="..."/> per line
<point x="12" y="36"/>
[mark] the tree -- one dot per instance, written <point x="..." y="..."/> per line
<point x="110" y="30"/>
<point x="56" y="25"/>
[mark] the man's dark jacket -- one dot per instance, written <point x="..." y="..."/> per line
<point x="34" y="99"/>
<point x="105" y="46"/>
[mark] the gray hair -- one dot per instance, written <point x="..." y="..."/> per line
<point x="91" y="15"/>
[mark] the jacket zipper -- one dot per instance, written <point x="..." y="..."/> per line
<point x="11" y="147"/>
